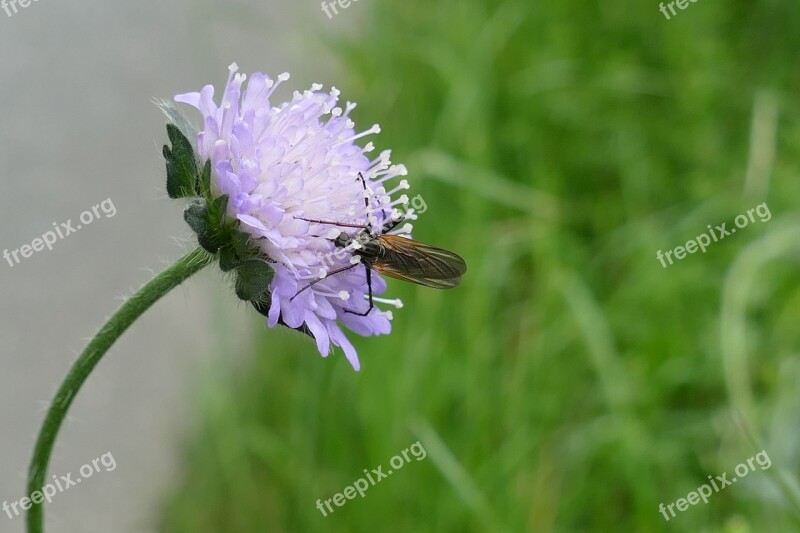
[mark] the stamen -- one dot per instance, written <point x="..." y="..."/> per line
<point x="402" y="200"/>
<point x="403" y="185"/>
<point x="374" y="129"/>
<point x="274" y="85"/>
<point x="405" y="228"/>
<point x="398" y="303"/>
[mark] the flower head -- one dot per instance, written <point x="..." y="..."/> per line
<point x="282" y="165"/>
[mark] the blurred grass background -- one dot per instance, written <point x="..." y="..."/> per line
<point x="572" y="383"/>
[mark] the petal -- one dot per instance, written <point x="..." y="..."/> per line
<point x="320" y="333"/>
<point x="339" y="339"/>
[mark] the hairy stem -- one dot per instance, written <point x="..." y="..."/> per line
<point x="132" y="309"/>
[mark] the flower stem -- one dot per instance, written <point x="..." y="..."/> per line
<point x="91" y="355"/>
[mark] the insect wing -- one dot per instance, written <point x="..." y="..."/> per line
<point x="419" y="263"/>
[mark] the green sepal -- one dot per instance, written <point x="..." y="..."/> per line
<point x="181" y="164"/>
<point x="174" y="116"/>
<point x="217" y="210"/>
<point x="228" y="260"/>
<point x="253" y="278"/>
<point x="203" y="187"/>
<point x="196" y="215"/>
<point x="242" y="244"/>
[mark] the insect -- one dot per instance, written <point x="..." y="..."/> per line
<point x="394" y="256"/>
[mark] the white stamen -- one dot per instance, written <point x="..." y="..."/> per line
<point x="374" y="129"/>
<point x="398" y="303"/>
<point x="405" y="228"/>
<point x="400" y="186"/>
<point x="402" y="200"/>
<point x="344" y="295"/>
<point x="323" y="272"/>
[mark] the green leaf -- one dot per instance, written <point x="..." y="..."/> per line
<point x="228" y="259"/>
<point x="253" y="277"/>
<point x="242" y="243"/>
<point x="181" y="164"/>
<point x="203" y="187"/>
<point x="196" y="215"/>
<point x="174" y="116"/>
<point x="217" y="210"/>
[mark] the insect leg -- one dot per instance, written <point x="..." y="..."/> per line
<point x="366" y="203"/>
<point x="394" y="223"/>
<point x="369" y="288"/>
<point x="330" y="223"/>
<point x="364" y="184"/>
<point x="329" y="274"/>
<point x="369" y="211"/>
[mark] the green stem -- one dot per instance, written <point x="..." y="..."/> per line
<point x="96" y="349"/>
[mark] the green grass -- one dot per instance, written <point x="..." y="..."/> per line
<point x="571" y="383"/>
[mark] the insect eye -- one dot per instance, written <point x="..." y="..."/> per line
<point x="342" y="240"/>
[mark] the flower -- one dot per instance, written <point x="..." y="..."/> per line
<point x="281" y="164"/>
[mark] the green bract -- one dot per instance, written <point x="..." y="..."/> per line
<point x="187" y="177"/>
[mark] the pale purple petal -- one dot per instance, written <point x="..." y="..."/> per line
<point x="282" y="162"/>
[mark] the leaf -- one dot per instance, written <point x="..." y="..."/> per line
<point x="228" y="260"/>
<point x="253" y="278"/>
<point x="196" y="215"/>
<point x="203" y="186"/>
<point x="181" y="164"/>
<point x="176" y="117"/>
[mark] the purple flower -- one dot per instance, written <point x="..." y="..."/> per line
<point x="281" y="163"/>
